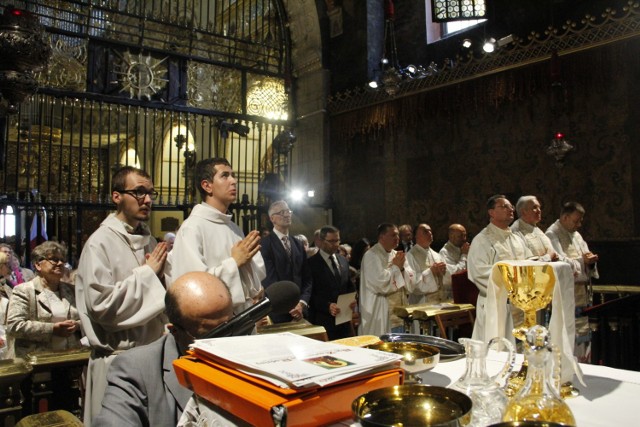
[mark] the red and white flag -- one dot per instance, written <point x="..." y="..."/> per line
<point x="38" y="232"/>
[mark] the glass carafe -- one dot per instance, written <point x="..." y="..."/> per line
<point x="539" y="399"/>
<point x="486" y="392"/>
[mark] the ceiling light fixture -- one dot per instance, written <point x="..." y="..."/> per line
<point x="466" y="43"/>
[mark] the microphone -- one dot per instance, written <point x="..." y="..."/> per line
<point x="280" y="298"/>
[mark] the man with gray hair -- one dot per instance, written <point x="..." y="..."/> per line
<point x="526" y="226"/>
<point x="285" y="259"/>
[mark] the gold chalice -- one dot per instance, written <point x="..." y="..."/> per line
<point x="530" y="288"/>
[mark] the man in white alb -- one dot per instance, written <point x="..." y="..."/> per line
<point x="385" y="273"/>
<point x="119" y="283"/>
<point x="494" y="243"/>
<point x="526" y="226"/>
<point x="572" y="248"/>
<point x="432" y="281"/>
<point x="208" y="240"/>
<point x="455" y="251"/>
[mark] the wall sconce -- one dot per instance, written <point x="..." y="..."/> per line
<point x="24" y="49"/>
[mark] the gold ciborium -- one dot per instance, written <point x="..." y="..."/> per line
<point x="530" y="288"/>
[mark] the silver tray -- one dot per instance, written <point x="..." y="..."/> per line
<point x="449" y="350"/>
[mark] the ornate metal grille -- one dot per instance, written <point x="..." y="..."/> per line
<point x="457" y="10"/>
<point x="159" y="84"/>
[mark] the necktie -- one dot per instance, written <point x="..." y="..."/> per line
<point x="287" y="245"/>
<point x="336" y="270"/>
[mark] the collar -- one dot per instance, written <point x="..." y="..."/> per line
<point x="279" y="234"/>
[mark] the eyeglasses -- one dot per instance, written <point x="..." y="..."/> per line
<point x="283" y="212"/>
<point x="140" y="194"/>
<point x="54" y="261"/>
<point x="509" y="207"/>
<point x="334" y="241"/>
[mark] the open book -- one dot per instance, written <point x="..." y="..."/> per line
<point x="293" y="361"/>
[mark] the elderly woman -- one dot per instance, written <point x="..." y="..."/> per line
<point x="42" y="314"/>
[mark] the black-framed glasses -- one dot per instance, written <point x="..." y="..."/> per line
<point x="140" y="194"/>
<point x="283" y="212"/>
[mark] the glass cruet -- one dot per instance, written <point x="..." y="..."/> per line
<point x="539" y="399"/>
<point x="486" y="392"/>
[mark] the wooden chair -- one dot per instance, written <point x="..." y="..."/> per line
<point x="464" y="290"/>
<point x="460" y="320"/>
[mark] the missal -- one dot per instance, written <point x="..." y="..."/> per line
<point x="293" y="361"/>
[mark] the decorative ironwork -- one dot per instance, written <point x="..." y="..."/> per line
<point x="457" y="10"/>
<point x="267" y="98"/>
<point x="214" y="88"/>
<point x="571" y="37"/>
<point x="67" y="67"/>
<point x="141" y="75"/>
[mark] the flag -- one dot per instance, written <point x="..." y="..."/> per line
<point x="38" y="232"/>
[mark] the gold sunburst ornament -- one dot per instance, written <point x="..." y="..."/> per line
<point x="141" y="75"/>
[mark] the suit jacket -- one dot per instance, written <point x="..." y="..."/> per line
<point x="325" y="290"/>
<point x="142" y="388"/>
<point x="280" y="267"/>
<point x="29" y="317"/>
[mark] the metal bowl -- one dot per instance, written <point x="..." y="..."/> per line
<point x="412" y="405"/>
<point x="416" y="357"/>
<point x="449" y="350"/>
<point x="527" y="424"/>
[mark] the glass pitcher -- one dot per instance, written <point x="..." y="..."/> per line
<point x="486" y="392"/>
<point x="539" y="398"/>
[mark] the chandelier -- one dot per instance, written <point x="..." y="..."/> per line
<point x="391" y="74"/>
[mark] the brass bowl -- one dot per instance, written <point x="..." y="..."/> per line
<point x="527" y="424"/>
<point x="413" y="405"/>
<point x="416" y="357"/>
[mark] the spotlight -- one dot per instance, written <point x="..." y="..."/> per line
<point x="489" y="45"/>
<point x="296" y="195"/>
<point x="466" y="43"/>
<point x="237" y="127"/>
<point x="311" y="194"/>
<point x="373" y="84"/>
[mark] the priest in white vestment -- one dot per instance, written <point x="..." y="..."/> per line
<point x="385" y="277"/>
<point x="494" y="243"/>
<point x="432" y="281"/>
<point x="208" y="240"/>
<point x="456" y="250"/>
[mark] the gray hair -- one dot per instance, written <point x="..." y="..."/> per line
<point x="523" y="202"/>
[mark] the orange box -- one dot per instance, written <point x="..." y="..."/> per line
<point x="254" y="400"/>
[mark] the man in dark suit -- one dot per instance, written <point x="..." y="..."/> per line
<point x="330" y="273"/>
<point x="406" y="238"/>
<point x="142" y="387"/>
<point x="285" y="259"/>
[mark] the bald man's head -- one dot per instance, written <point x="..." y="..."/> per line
<point x="196" y="303"/>
<point x="457" y="234"/>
